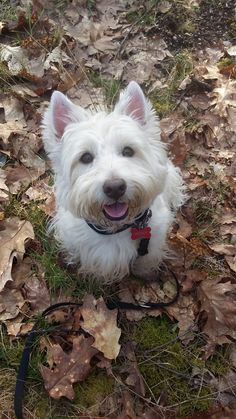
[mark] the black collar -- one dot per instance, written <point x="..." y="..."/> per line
<point x="140" y="222"/>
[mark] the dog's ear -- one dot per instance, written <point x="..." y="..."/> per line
<point x="133" y="103"/>
<point x="62" y="112"/>
<point x="59" y="114"/>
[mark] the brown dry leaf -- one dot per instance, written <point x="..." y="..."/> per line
<point x="185" y="229"/>
<point x="224" y="96"/>
<point x="170" y="124"/>
<point x="25" y="292"/>
<point x="197" y="182"/>
<point x="200" y="101"/>
<point x="36" y="293"/>
<point x="127" y="403"/>
<point x="227" y="229"/>
<point x="13" y="235"/>
<point x="229" y="250"/>
<point x="11" y="303"/>
<point x="18" y="177"/>
<point x="10" y="128"/>
<point x="18" y="63"/>
<point x="15" y="326"/>
<point x="184" y="311"/>
<point x="69" y="367"/>
<point x="191" y="277"/>
<point x="40" y="191"/>
<point x="228" y="223"/>
<point x="13" y="109"/>
<point x="164" y="6"/>
<point x="134" y="378"/>
<point x="217" y="299"/>
<point x="29" y="158"/>
<point x="101" y="322"/>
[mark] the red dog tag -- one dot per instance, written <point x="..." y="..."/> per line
<point x="144" y="233"/>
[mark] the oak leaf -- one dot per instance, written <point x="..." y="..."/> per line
<point x="100" y="322"/>
<point x="13" y="234"/>
<point x="217" y="299"/>
<point x="68" y="367"/>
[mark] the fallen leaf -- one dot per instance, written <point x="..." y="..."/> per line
<point x="130" y="368"/>
<point x="13" y="235"/>
<point x="127" y="403"/>
<point x="191" y="278"/>
<point x="185" y="229"/>
<point x="100" y="322"/>
<point x="184" y="311"/>
<point x="217" y="298"/>
<point x="18" y="177"/>
<point x="11" y="303"/>
<point x="18" y="62"/>
<point x="36" y="293"/>
<point x="69" y="367"/>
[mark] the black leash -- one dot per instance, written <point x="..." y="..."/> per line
<point x="111" y="304"/>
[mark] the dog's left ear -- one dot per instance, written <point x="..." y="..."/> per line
<point x="133" y="103"/>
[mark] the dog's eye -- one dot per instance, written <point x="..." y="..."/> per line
<point x="127" y="152"/>
<point x="86" y="158"/>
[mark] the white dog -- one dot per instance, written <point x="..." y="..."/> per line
<point x="116" y="189"/>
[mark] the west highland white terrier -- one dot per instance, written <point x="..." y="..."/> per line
<point x="116" y="189"/>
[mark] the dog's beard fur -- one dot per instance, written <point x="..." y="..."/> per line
<point x="70" y="131"/>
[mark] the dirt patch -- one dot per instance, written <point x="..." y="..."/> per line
<point x="183" y="27"/>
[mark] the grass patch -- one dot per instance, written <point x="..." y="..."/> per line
<point x="164" y="100"/>
<point x="167" y="366"/>
<point x="7" y="12"/>
<point x="111" y="88"/>
<point x="94" y="390"/>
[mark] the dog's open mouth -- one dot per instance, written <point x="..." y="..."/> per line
<point x="117" y="211"/>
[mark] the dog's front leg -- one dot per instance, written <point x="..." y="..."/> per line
<point x="146" y="267"/>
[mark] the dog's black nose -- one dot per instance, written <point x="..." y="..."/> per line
<point x="114" y="188"/>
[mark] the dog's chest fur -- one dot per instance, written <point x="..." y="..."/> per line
<point x="113" y="256"/>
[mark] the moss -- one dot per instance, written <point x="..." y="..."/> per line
<point x="93" y="390"/>
<point x="168" y="369"/>
<point x="150" y="332"/>
<point x="219" y="364"/>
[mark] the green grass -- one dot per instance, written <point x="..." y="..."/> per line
<point x="164" y="100"/>
<point x="167" y="365"/>
<point x="7" y="12"/>
<point x="111" y="88"/>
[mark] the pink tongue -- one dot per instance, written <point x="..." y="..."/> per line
<point x="116" y="210"/>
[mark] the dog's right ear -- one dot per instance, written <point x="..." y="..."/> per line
<point x="62" y="112"/>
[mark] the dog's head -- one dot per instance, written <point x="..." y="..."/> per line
<point x="109" y="167"/>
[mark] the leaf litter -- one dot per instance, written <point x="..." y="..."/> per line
<point x="78" y="52"/>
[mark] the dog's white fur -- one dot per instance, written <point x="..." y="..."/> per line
<point x="152" y="182"/>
